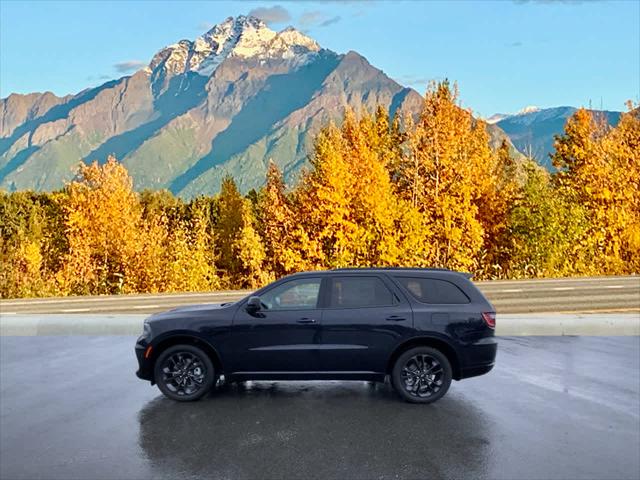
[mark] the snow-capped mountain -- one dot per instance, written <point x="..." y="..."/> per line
<point x="532" y="129"/>
<point x="223" y="103"/>
<point x="497" y="117"/>
<point x="245" y="37"/>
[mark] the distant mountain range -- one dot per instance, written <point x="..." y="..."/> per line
<point x="532" y="129"/>
<point x="224" y="103"/>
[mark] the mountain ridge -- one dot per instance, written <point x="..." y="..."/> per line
<point x="532" y="131"/>
<point x="224" y="103"/>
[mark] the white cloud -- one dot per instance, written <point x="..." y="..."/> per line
<point x="275" y="14"/>
<point x="316" y="18"/>
<point x="129" y="66"/>
<point x="205" y="26"/>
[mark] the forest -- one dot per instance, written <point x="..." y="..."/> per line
<point x="379" y="191"/>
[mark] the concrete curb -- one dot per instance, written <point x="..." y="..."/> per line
<point x="41" y="325"/>
<point x="507" y="324"/>
<point x="588" y="324"/>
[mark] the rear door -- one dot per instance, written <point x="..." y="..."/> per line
<point x="445" y="307"/>
<point x="363" y="319"/>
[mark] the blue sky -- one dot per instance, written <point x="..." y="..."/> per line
<point x="504" y="54"/>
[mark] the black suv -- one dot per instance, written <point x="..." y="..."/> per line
<point x="421" y="327"/>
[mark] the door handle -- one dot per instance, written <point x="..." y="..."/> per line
<point x="395" y="318"/>
<point x="306" y="320"/>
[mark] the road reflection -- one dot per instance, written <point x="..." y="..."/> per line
<point x="315" y="429"/>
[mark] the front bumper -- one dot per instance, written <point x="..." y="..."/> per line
<point x="145" y="366"/>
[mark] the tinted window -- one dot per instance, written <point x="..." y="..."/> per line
<point x="294" y="295"/>
<point x="348" y="292"/>
<point x="430" y="290"/>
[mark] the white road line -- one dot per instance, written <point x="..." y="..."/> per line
<point x="102" y="309"/>
<point x="603" y="310"/>
<point x="141" y="307"/>
<point x="120" y="298"/>
<point x="613" y="286"/>
<point x="540" y="281"/>
<point x="8" y="313"/>
<point x="511" y="290"/>
<point x="564" y="288"/>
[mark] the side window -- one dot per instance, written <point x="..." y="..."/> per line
<point x="430" y="290"/>
<point x="301" y="294"/>
<point x="350" y="292"/>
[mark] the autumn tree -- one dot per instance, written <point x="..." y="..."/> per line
<point x="241" y="253"/>
<point x="622" y="145"/>
<point x="102" y="216"/>
<point x="347" y="202"/>
<point x="284" y="238"/>
<point x="543" y="230"/>
<point x="190" y="257"/>
<point x="446" y="175"/>
<point x="32" y="243"/>
<point x="495" y="202"/>
<point x="598" y="169"/>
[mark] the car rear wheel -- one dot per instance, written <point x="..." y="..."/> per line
<point x="421" y="375"/>
<point x="184" y="373"/>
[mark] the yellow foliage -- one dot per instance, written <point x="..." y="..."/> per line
<point x="427" y="192"/>
<point x="447" y="176"/>
<point x="600" y="170"/>
<point x="102" y="219"/>
<point x="285" y="240"/>
<point x="347" y="204"/>
<point x="241" y="252"/>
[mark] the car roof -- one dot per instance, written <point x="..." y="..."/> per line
<point x="414" y="270"/>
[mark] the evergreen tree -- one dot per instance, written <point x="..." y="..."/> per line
<point x="544" y="230"/>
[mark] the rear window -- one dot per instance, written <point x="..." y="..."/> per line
<point x="431" y="290"/>
<point x="351" y="292"/>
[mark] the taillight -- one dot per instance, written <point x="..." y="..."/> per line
<point x="490" y="319"/>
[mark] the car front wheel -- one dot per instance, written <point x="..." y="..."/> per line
<point x="421" y="375"/>
<point x="184" y="373"/>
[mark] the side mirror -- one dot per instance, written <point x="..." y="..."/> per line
<point x="254" y="304"/>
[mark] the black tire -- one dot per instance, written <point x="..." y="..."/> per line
<point x="195" y="373"/>
<point x="421" y="375"/>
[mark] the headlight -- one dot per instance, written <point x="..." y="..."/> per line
<point x="146" y="331"/>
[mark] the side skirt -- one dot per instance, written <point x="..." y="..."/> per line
<point x="365" y="376"/>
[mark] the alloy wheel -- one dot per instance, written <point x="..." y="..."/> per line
<point x="422" y="376"/>
<point x="184" y="373"/>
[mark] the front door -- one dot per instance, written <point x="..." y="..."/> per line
<point x="283" y="335"/>
<point x="364" y="318"/>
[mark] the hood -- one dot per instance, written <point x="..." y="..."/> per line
<point x="200" y="307"/>
<point x="191" y="311"/>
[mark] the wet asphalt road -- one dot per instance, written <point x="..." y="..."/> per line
<point x="554" y="407"/>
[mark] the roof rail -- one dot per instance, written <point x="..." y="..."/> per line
<point x="407" y="269"/>
<point x="392" y="268"/>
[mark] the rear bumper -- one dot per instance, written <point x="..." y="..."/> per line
<point x="479" y="357"/>
<point x="475" y="371"/>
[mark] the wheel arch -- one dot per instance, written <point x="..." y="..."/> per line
<point x="186" y="339"/>
<point x="426" y="341"/>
